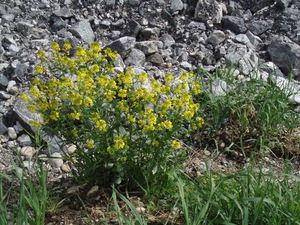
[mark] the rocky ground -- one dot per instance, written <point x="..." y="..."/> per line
<point x="260" y="37"/>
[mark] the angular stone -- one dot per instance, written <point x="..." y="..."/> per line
<point x="24" y="140"/>
<point x="132" y="29"/>
<point x="24" y="27"/>
<point x="208" y="11"/>
<point x="83" y="30"/>
<point x="234" y="23"/>
<point x="122" y="45"/>
<point x="216" y="37"/>
<point x="219" y="87"/>
<point x="258" y="27"/>
<point x="285" y="54"/>
<point x="176" y="5"/>
<point x="93" y="191"/>
<point x="55" y="160"/>
<point x="134" y="2"/>
<point x="63" y="12"/>
<point x="135" y="58"/>
<point x="167" y="40"/>
<point x="149" y="47"/>
<point x="156" y="59"/>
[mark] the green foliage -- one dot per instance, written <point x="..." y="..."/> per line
<point x="246" y="197"/>
<point x="123" y="125"/>
<point x="252" y="116"/>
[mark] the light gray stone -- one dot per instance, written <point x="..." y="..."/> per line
<point x="12" y="133"/>
<point x="149" y="47"/>
<point x="27" y="151"/>
<point x="216" y="37"/>
<point x="83" y="30"/>
<point x="176" y="5"/>
<point x="135" y="58"/>
<point x="208" y="11"/>
<point x="55" y="160"/>
<point x="122" y="45"/>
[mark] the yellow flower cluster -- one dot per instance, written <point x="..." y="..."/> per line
<point x="83" y="96"/>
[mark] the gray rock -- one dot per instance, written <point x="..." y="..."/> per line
<point x="24" y="27"/>
<point x="4" y="95"/>
<point x="219" y="87"/>
<point x="24" y="116"/>
<point x="259" y="27"/>
<point x="55" y="160"/>
<point x="176" y="5"/>
<point x="283" y="3"/>
<point x="83" y="30"/>
<point x="24" y="140"/>
<point x="151" y="32"/>
<point x="216" y="37"/>
<point x="3" y="128"/>
<point x="149" y="47"/>
<point x="58" y="25"/>
<point x="63" y="12"/>
<point x="122" y="45"/>
<point x="255" y="40"/>
<point x="234" y="23"/>
<point x="110" y="3"/>
<point x="167" y="40"/>
<point x="134" y="2"/>
<point x="208" y="11"/>
<point x="7" y="18"/>
<point x="20" y="71"/>
<point x="132" y="29"/>
<point x="27" y="151"/>
<point x="3" y="82"/>
<point x="285" y="54"/>
<point x="156" y="59"/>
<point x="135" y="58"/>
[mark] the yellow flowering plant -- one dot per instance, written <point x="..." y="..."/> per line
<point x="122" y="130"/>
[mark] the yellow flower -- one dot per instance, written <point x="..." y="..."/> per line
<point x="88" y="102"/>
<point x="40" y="69"/>
<point x="119" y="143"/>
<point x="95" y="68"/>
<point x="55" y="47"/>
<point x="131" y="119"/>
<point x="36" y="123"/>
<point x="95" y="46"/>
<point x="169" y="78"/>
<point x="122" y="93"/>
<point x="67" y="45"/>
<point x="142" y="77"/>
<point x="166" y="124"/>
<point x="175" y="145"/>
<point x="74" y="115"/>
<point x="90" y="143"/>
<point x="101" y="125"/>
<point x="25" y="97"/>
<point x="188" y="114"/>
<point x="54" y="115"/>
<point x="200" y="121"/>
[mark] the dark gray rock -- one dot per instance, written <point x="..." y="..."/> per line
<point x="25" y="28"/>
<point x="132" y="29"/>
<point x="83" y="30"/>
<point x="3" y="82"/>
<point x="156" y="59"/>
<point x="285" y="54"/>
<point x="122" y="45"/>
<point x="234" y="23"/>
<point x="283" y="3"/>
<point x="134" y="2"/>
<point x="258" y="27"/>
<point x="3" y="128"/>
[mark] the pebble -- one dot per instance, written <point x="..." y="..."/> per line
<point x="55" y="160"/>
<point x="93" y="191"/>
<point x="27" y="151"/>
<point x="12" y="133"/>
